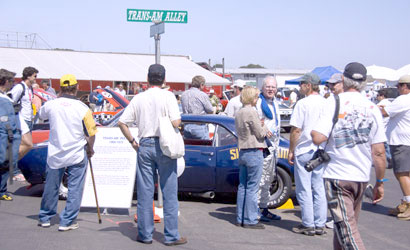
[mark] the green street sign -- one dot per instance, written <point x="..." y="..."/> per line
<point x="166" y="16"/>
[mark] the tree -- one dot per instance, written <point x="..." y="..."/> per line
<point x="252" y="66"/>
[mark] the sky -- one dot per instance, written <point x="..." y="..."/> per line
<point x="292" y="34"/>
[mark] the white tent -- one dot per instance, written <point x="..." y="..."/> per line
<point x="103" y="66"/>
<point x="383" y="73"/>
<point x="405" y="70"/>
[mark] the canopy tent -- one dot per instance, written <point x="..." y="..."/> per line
<point x="405" y="70"/>
<point x="383" y="73"/>
<point x="103" y="66"/>
<point x="324" y="74"/>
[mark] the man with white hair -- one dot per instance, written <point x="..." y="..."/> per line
<point x="268" y="110"/>
<point x="234" y="103"/>
<point x="354" y="143"/>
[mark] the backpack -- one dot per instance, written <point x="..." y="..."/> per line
<point x="17" y="104"/>
<point x="10" y="136"/>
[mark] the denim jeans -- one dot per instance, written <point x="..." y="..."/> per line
<point x="76" y="179"/>
<point x="196" y="131"/>
<point x="4" y="175"/>
<point x="150" y="159"/>
<point x="250" y="172"/>
<point x="310" y="192"/>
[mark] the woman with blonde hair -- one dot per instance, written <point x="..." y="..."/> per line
<point x="251" y="141"/>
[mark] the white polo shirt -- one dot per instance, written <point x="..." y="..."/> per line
<point x="26" y="108"/>
<point x="70" y="122"/>
<point x="145" y="109"/>
<point x="233" y="106"/>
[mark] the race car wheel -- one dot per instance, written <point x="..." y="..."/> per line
<point x="280" y="189"/>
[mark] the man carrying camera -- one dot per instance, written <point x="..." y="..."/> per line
<point x="310" y="191"/>
<point x="353" y="144"/>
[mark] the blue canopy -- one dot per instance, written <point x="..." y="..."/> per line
<point x="324" y="74"/>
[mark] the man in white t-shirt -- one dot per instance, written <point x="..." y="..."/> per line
<point x="310" y="191"/>
<point x="22" y="93"/>
<point x="355" y="142"/>
<point x="398" y="133"/>
<point x="120" y="89"/>
<point x="72" y="136"/>
<point x="234" y="103"/>
<point x="144" y="110"/>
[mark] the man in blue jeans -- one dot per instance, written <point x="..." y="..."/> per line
<point x="310" y="190"/>
<point x="72" y="136"/>
<point x="144" y="110"/>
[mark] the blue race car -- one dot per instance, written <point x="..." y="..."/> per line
<point x="211" y="166"/>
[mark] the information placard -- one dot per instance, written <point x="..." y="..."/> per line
<point x="114" y="167"/>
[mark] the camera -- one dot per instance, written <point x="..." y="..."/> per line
<point x="319" y="157"/>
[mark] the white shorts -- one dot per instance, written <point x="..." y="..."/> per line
<point x="23" y="126"/>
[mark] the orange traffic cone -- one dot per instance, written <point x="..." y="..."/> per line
<point x="157" y="219"/>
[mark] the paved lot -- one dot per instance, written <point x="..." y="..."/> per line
<point x="207" y="226"/>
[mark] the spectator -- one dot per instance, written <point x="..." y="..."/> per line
<point x="144" y="110"/>
<point x="194" y="101"/>
<point x="12" y="121"/>
<point x="335" y="83"/>
<point x="36" y="102"/>
<point x="234" y="103"/>
<point x="251" y="138"/>
<point x="398" y="133"/>
<point x="22" y="94"/>
<point x="120" y="89"/>
<point x="384" y="102"/>
<point x="268" y="111"/>
<point x="310" y="191"/>
<point x="96" y="100"/>
<point x="354" y="143"/>
<point x="293" y="97"/>
<point x="47" y="87"/>
<point x="72" y="135"/>
<point x="214" y="100"/>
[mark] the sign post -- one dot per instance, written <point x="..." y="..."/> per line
<point x="159" y="17"/>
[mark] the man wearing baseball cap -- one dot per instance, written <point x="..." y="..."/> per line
<point x="144" y="110"/>
<point x="234" y="103"/>
<point x="310" y="191"/>
<point x="398" y="134"/>
<point x="72" y="136"/>
<point x="354" y="143"/>
<point x="335" y="83"/>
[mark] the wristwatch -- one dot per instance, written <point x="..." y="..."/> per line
<point x="133" y="140"/>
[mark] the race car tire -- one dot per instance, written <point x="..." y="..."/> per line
<point x="280" y="189"/>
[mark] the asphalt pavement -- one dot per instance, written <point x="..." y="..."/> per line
<point x="207" y="225"/>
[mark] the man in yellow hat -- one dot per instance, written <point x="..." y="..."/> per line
<point x="72" y="131"/>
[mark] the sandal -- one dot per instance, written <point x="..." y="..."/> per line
<point x="19" y="177"/>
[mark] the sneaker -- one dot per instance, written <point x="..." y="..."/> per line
<point x="67" y="228"/>
<point x="254" y="226"/>
<point x="406" y="214"/>
<point x="268" y="216"/>
<point x="6" y="197"/>
<point x="44" y="224"/>
<point x="144" y="241"/>
<point x="301" y="229"/>
<point x="181" y="241"/>
<point x="320" y="230"/>
<point x="399" y="209"/>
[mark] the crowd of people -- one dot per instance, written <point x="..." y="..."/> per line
<point x="334" y="142"/>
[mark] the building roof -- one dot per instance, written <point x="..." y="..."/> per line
<point x="265" y="71"/>
<point x="103" y="66"/>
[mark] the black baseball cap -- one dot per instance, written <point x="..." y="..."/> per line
<point x="355" y="71"/>
<point x="156" y="74"/>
